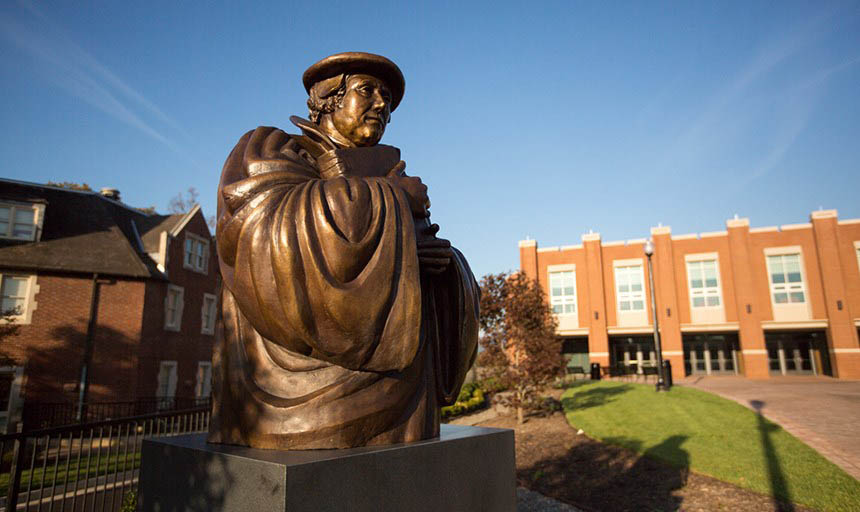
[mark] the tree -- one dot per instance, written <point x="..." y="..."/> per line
<point x="518" y="337"/>
<point x="182" y="204"/>
<point x="83" y="187"/>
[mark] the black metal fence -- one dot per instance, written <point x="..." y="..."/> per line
<point x="40" y="415"/>
<point x="84" y="467"/>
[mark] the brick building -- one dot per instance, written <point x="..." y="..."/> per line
<point x="760" y="302"/>
<point x="93" y="282"/>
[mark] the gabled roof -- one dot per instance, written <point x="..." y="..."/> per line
<point x="86" y="232"/>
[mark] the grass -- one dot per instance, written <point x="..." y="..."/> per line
<point x="713" y="436"/>
<point x="116" y="463"/>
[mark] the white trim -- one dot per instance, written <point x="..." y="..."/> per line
<point x="196" y="242"/>
<point x="30" y="304"/>
<point x="772" y="325"/>
<point x="728" y="326"/>
<point x="582" y="331"/>
<point x="571" y="247"/>
<point x="561" y="268"/>
<point x="767" y="229"/>
<point x="706" y="291"/>
<point x="598" y="354"/>
<point x="168" y="326"/>
<point x="702" y="256"/>
<point x="846" y="350"/>
<point x="789" y="310"/>
<point x="163" y="244"/>
<point x="591" y="237"/>
<point x="181" y="224"/>
<point x="548" y="249"/>
<point x="857" y="322"/>
<point x="661" y="230"/>
<point x="712" y="234"/>
<point x="823" y="214"/>
<point x="38" y="210"/>
<point x="754" y="352"/>
<point x="570" y="318"/>
<point x="527" y="243"/>
<point x="616" y="243"/>
<point x="628" y="262"/>
<point x="849" y="221"/>
<point x="778" y="251"/>
<point x="636" y="241"/>
<point x="673" y="352"/>
<point x="737" y="223"/>
<point x="646" y="329"/>
<point x="690" y="236"/>
<point x="790" y="227"/>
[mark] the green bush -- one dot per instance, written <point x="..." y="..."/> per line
<point x="129" y="502"/>
<point x="471" y="398"/>
<point x="492" y="385"/>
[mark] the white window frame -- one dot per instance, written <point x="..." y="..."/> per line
<point x="32" y="288"/>
<point x="177" y="324"/>
<point x="202" y="367"/>
<point x="197" y="259"/>
<point x="562" y="299"/>
<point x="706" y="291"/>
<point x="785" y="287"/>
<point x="211" y="314"/>
<point x="166" y="400"/>
<point x="38" y="216"/>
<point x="857" y="252"/>
<point x="629" y="296"/>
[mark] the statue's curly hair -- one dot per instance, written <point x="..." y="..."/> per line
<point x="325" y="95"/>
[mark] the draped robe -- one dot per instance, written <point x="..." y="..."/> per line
<point x="330" y="337"/>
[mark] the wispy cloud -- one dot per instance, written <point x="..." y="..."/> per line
<point x="63" y="62"/>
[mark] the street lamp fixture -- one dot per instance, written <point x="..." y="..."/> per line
<point x="661" y="382"/>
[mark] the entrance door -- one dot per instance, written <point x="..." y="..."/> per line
<point x="710" y="354"/>
<point x="791" y="354"/>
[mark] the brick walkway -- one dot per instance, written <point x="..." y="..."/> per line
<point x="822" y="412"/>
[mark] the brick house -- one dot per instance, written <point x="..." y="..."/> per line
<point x="760" y="302"/>
<point x="96" y="284"/>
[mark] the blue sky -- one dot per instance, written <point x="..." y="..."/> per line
<point x="543" y="121"/>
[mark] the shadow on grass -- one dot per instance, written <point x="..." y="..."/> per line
<point x="778" y="484"/>
<point x="600" y="477"/>
<point x="594" y="397"/>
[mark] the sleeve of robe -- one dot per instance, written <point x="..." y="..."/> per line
<point x="324" y="268"/>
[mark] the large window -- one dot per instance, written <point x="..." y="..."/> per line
<point x="167" y="378"/>
<point x="208" y="314"/>
<point x="786" y="279"/>
<point x="629" y="288"/>
<point x="17" y="221"/>
<point x="196" y="253"/>
<point x="562" y="292"/>
<point x="173" y="305"/>
<point x="704" y="283"/>
<point x="204" y="380"/>
<point x="17" y="294"/>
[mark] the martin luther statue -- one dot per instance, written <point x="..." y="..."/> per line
<point x="346" y="322"/>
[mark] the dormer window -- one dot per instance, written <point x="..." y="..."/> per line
<point x="196" y="255"/>
<point x="19" y="221"/>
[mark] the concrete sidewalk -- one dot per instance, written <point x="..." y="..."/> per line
<point x="820" y="411"/>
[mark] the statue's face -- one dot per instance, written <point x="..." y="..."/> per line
<point x="364" y="111"/>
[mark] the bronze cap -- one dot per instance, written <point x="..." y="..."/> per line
<point x="358" y="62"/>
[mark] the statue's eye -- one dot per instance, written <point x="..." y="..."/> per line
<point x="365" y="90"/>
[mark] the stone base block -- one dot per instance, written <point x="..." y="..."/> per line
<point x="467" y="469"/>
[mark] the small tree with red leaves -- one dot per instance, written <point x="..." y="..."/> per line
<point x="518" y="337"/>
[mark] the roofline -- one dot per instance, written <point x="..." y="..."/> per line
<point x="85" y="192"/>
<point x="181" y="225"/>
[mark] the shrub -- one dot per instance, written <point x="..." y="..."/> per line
<point x="471" y="398"/>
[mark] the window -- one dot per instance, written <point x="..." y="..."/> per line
<point x="167" y="377"/>
<point x="204" y="379"/>
<point x="196" y="253"/>
<point x="17" y="294"/>
<point x="18" y="221"/>
<point x="173" y="305"/>
<point x="704" y="283"/>
<point x="562" y="292"/>
<point x="786" y="280"/>
<point x="629" y="289"/>
<point x="208" y="314"/>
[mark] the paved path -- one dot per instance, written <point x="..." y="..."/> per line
<point x="822" y="412"/>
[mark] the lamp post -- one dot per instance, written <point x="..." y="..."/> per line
<point x="661" y="383"/>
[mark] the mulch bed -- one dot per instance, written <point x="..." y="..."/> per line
<point x="554" y="461"/>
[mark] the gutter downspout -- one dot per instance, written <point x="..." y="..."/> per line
<point x="83" y="386"/>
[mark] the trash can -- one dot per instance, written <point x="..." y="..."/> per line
<point x="595" y="371"/>
<point x="667" y="373"/>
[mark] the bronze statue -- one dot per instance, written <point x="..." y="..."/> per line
<point x="346" y="322"/>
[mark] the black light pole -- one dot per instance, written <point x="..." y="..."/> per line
<point x="661" y="383"/>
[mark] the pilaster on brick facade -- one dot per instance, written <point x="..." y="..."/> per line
<point x="842" y="332"/>
<point x="667" y="299"/>
<point x="598" y="338"/>
<point x="528" y="258"/>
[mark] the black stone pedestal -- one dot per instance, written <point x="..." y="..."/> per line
<point x="467" y="469"/>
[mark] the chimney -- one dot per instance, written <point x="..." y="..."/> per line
<point x="110" y="193"/>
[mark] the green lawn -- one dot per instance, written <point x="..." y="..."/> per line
<point x="712" y="436"/>
<point x="115" y="464"/>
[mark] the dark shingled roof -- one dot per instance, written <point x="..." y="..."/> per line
<point x="85" y="232"/>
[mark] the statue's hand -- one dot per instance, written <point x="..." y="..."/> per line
<point x="434" y="254"/>
<point x="415" y="190"/>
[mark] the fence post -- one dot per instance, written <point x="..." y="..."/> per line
<point x="19" y="450"/>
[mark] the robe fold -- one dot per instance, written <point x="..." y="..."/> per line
<point x="329" y="337"/>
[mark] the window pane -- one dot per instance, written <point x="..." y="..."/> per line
<point x="713" y="301"/>
<point x="623" y="288"/>
<point x="624" y="305"/>
<point x="777" y="278"/>
<point x="4" y="213"/>
<point x="569" y="308"/>
<point x="556" y="292"/>
<point x="638" y="305"/>
<point x="780" y="297"/>
<point x="796" y="296"/>
<point x="636" y="287"/>
<point x="14" y="286"/>
<point x="794" y="277"/>
<point x="568" y="290"/>
<point x="696" y="283"/>
<point x="775" y="263"/>
<point x="698" y="302"/>
<point x="557" y="309"/>
<point x="24" y="216"/>
<point x="12" y="306"/>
